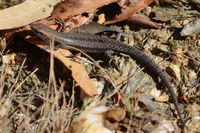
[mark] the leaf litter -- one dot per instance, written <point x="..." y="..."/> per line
<point x="39" y="106"/>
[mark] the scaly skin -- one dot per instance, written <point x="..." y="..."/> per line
<point x="98" y="44"/>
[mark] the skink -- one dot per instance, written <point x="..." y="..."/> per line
<point x="99" y="44"/>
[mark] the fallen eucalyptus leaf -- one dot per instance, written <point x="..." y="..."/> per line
<point x="26" y="13"/>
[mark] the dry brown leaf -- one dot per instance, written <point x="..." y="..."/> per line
<point x="74" y="22"/>
<point x="115" y="114"/>
<point x="175" y="70"/>
<point x="143" y="20"/>
<point x="68" y="9"/>
<point x="163" y="98"/>
<point x="128" y="11"/>
<point x="78" y="71"/>
<point x="26" y="13"/>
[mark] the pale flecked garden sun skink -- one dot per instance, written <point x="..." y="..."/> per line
<point x="98" y="44"/>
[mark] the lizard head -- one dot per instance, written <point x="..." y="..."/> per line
<point x="43" y="31"/>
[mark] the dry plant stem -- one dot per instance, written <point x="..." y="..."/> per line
<point x="17" y="78"/>
<point x="52" y="80"/>
<point x="54" y="99"/>
<point x="58" y="120"/>
<point x="184" y="56"/>
<point x="71" y="106"/>
<point x="53" y="86"/>
<point x="129" y="123"/>
<point x="2" y="80"/>
<point x="13" y="92"/>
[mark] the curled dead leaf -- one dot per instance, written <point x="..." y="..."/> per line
<point x="128" y="11"/>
